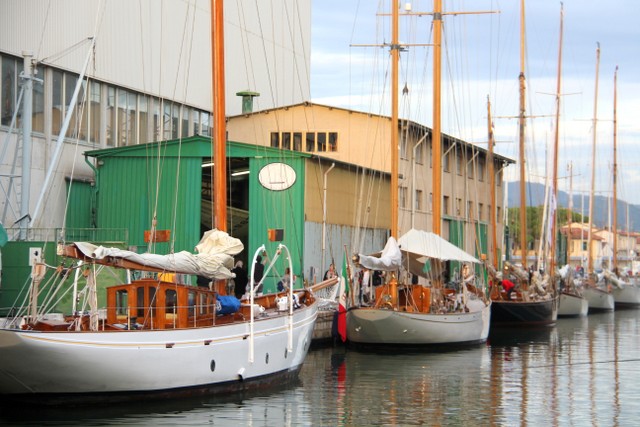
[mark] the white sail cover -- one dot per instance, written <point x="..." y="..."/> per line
<point x="214" y="259"/>
<point x="430" y="245"/>
<point x="389" y="260"/>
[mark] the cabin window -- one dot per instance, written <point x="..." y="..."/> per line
<point x="311" y="142"/>
<point x="140" y="301"/>
<point x="152" y="299"/>
<point x="122" y="302"/>
<point x="192" y="303"/>
<point x="204" y="304"/>
<point x="297" y="141"/>
<point x="275" y="139"/>
<point x="171" y="301"/>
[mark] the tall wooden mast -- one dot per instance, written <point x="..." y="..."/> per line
<point x="553" y="207"/>
<point x="219" y="139"/>
<point x="521" y="133"/>
<point x="492" y="188"/>
<point x="395" y="54"/>
<point x="615" y="172"/>
<point x="593" y="164"/>
<point x="436" y="138"/>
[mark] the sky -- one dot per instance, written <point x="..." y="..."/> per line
<point x="481" y="60"/>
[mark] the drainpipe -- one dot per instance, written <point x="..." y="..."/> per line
<point x="324" y="215"/>
<point x="413" y="179"/>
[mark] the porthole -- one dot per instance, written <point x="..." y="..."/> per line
<point x="286" y="353"/>
<point x="213" y="366"/>
<point x="266" y="359"/>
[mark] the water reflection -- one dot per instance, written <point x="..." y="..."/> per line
<point x="582" y="371"/>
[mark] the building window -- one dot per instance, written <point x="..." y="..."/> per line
<point x="195" y="122"/>
<point x="127" y="118"/>
<point x="286" y="140"/>
<point x="458" y="207"/>
<point x="470" y="167"/>
<point x="275" y="140"/>
<point x="8" y="89"/>
<point x="311" y="142"/>
<point x="333" y="141"/>
<point x="430" y="202"/>
<point x="498" y="214"/>
<point x="184" y="128"/>
<point x="499" y="178"/>
<point x="111" y="116"/>
<point x="419" y="153"/>
<point x="584" y="246"/>
<point x="481" y="163"/>
<point x="206" y="124"/>
<point x="297" y="141"/>
<point x="94" y="122"/>
<point x="459" y="164"/>
<point x="157" y="120"/>
<point x="418" y="196"/>
<point x="37" y="114"/>
<point x="445" y="205"/>
<point x="480" y="213"/>
<point x="322" y="142"/>
<point x="403" y="146"/>
<point x="445" y="162"/>
<point x="469" y="209"/>
<point x="403" y="197"/>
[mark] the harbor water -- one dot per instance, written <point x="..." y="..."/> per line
<point x="583" y="371"/>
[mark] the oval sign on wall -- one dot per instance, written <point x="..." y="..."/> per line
<point x="277" y="176"/>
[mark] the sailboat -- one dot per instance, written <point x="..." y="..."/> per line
<point x="595" y="291"/>
<point x="625" y="293"/>
<point x="519" y="297"/>
<point x="410" y="314"/>
<point x="571" y="302"/>
<point x="157" y="338"/>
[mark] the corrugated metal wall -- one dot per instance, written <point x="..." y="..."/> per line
<point x="134" y="189"/>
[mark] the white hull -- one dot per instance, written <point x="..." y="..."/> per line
<point x="628" y="295"/>
<point x="598" y="299"/>
<point x="379" y="326"/>
<point x="572" y="305"/>
<point x="82" y="363"/>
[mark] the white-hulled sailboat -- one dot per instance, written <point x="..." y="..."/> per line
<point x="158" y="338"/>
<point x="409" y="314"/>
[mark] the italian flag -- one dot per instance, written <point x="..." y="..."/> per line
<point x="342" y="301"/>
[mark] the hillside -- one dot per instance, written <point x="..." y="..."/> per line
<point x="535" y="197"/>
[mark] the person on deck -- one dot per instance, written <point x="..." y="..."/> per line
<point x="508" y="286"/>
<point x="331" y="272"/>
<point x="241" y="279"/>
<point x="258" y="272"/>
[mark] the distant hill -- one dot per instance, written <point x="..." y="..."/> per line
<point x="535" y="197"/>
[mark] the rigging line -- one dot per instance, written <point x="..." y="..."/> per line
<point x="44" y="27"/>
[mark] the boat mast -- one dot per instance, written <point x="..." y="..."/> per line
<point x="436" y="139"/>
<point x="615" y="173"/>
<point x="219" y="121"/>
<point x="492" y="189"/>
<point x="395" y="53"/>
<point x="554" y="193"/>
<point x="569" y="212"/>
<point x="593" y="164"/>
<point x="521" y="125"/>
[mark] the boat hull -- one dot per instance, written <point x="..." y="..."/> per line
<point x="153" y="363"/>
<point x="627" y="296"/>
<point x="380" y="327"/>
<point x="599" y="300"/>
<point x="532" y="313"/>
<point x="572" y="305"/>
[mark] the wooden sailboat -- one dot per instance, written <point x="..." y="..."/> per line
<point x="531" y="299"/>
<point x="571" y="302"/>
<point x="157" y="338"/>
<point x="411" y="314"/>
<point x="625" y="293"/>
<point x="600" y="299"/>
